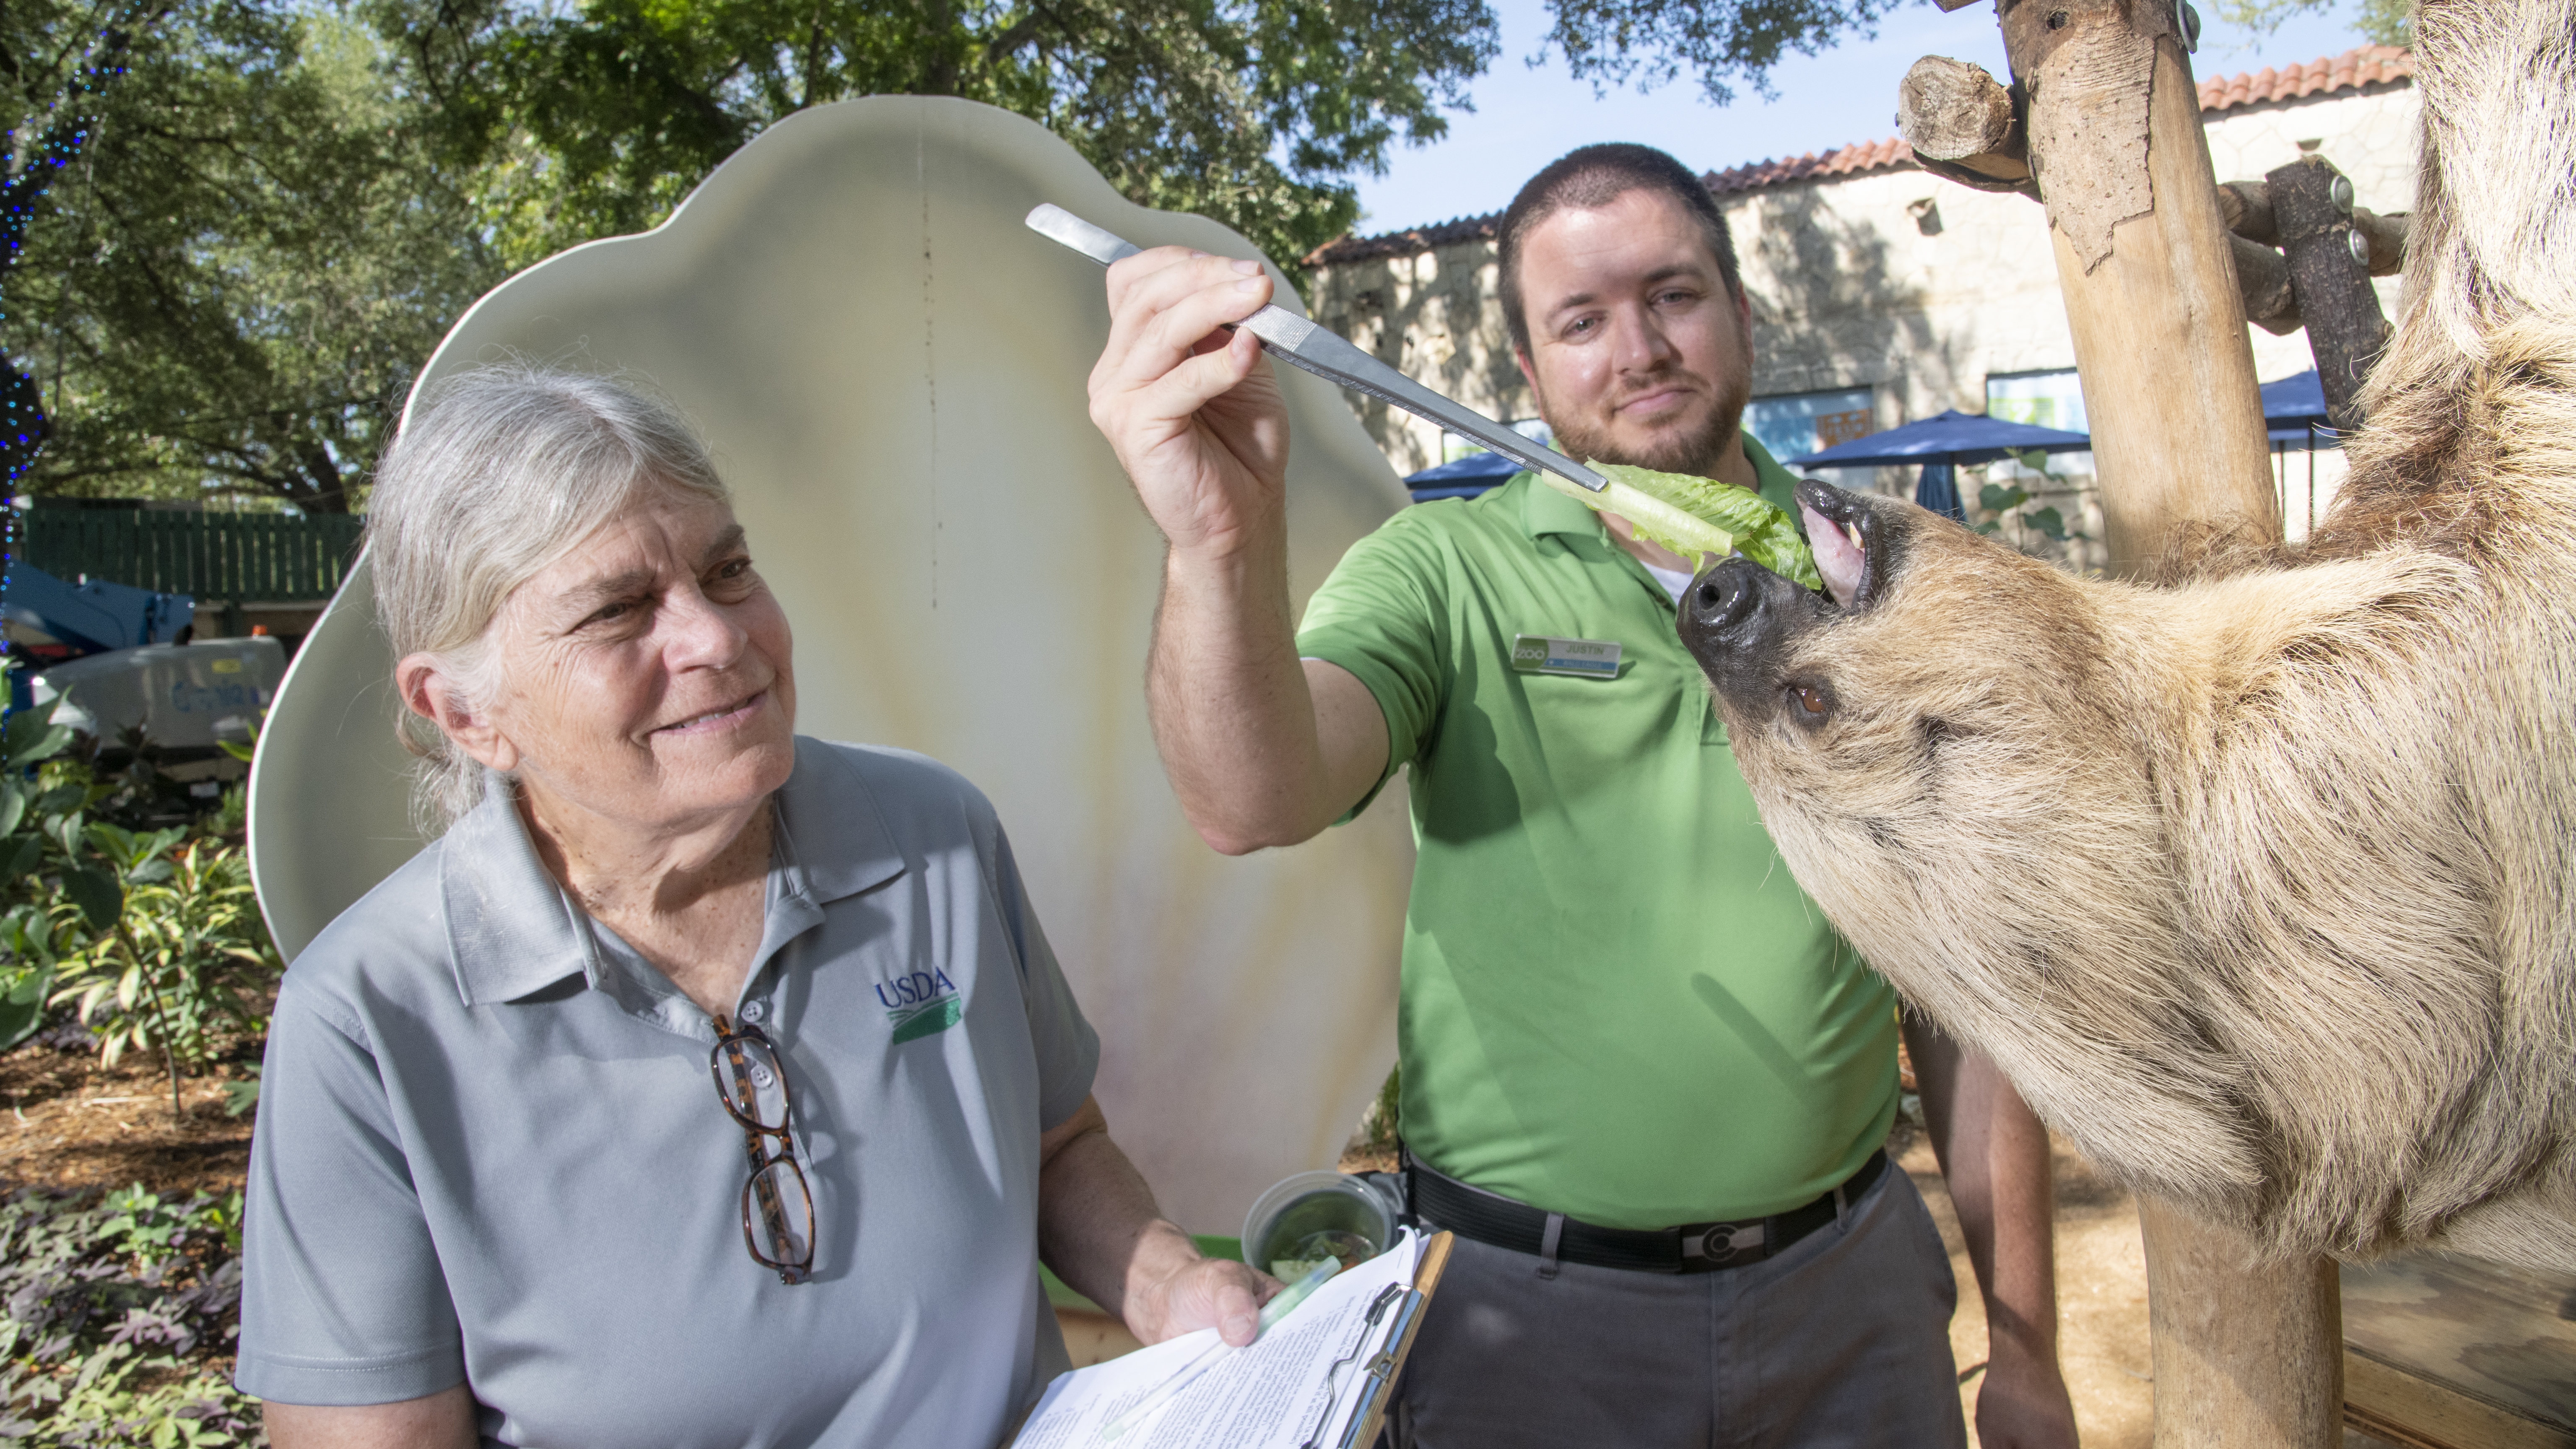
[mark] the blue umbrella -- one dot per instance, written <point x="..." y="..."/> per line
<point x="1953" y="437"/>
<point x="1940" y="444"/>
<point x="1465" y="478"/>
<point x="2294" y="409"/>
<point x="1938" y="489"/>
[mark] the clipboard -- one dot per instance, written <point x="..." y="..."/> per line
<point x="1370" y="1413"/>
<point x="1353" y="1353"/>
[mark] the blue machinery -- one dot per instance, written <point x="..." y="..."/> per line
<point x="96" y="615"/>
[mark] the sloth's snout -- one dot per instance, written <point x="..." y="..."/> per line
<point x="1729" y="607"/>
<point x="1740" y="620"/>
<point x="1723" y="597"/>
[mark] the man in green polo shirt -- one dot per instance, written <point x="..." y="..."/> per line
<point x="1644" y="1081"/>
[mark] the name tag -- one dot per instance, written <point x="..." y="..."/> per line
<point x="1586" y="658"/>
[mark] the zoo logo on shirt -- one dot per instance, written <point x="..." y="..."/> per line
<point x="921" y="1003"/>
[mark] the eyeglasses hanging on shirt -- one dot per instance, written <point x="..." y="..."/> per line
<point x="751" y="1081"/>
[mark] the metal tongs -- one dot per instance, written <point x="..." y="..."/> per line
<point x="1301" y="344"/>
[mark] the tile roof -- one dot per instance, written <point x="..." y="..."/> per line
<point x="1409" y="242"/>
<point x="2370" y="65"/>
<point x="2358" y="69"/>
<point x="1843" y="161"/>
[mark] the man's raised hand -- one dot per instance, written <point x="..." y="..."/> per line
<point x="1198" y="422"/>
<point x="1193" y="412"/>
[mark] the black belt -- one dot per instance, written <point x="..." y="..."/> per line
<point x="1472" y="1212"/>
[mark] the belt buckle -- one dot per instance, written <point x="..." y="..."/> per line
<point x="1719" y="1243"/>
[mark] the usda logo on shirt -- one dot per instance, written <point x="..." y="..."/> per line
<point x="921" y="1003"/>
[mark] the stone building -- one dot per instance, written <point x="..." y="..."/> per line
<point x="1880" y="292"/>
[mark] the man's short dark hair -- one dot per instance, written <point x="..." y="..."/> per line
<point x="1595" y="176"/>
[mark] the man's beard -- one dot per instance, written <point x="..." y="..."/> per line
<point x="1695" y="449"/>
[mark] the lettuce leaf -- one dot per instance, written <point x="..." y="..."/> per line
<point x="1699" y="517"/>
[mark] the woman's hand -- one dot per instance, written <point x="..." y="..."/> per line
<point x="1099" y="1229"/>
<point x="1171" y="1290"/>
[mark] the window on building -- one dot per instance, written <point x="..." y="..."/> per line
<point x="1806" y="422"/>
<point x="2047" y="399"/>
<point x="2051" y="399"/>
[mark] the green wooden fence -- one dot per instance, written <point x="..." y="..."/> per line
<point x="233" y="556"/>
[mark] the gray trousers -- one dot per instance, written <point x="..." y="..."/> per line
<point x="1841" y="1341"/>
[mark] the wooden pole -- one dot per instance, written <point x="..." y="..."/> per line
<point x="2246" y="1353"/>
<point x="1964" y="125"/>
<point x="2246" y="1357"/>
<point x="2113" y="120"/>
<point x="2263" y="281"/>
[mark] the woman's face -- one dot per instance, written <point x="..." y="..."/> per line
<point x="645" y="676"/>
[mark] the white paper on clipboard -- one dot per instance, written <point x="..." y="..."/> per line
<point x="1303" y="1381"/>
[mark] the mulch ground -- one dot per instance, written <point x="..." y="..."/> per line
<point x="67" y="1122"/>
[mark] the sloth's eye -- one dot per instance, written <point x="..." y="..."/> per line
<point x="1812" y="704"/>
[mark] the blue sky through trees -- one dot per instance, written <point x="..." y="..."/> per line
<point x="1525" y="118"/>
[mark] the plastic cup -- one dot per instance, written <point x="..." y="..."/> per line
<point x="1297" y="1209"/>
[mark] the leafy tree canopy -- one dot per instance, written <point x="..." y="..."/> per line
<point x="596" y="120"/>
<point x="234" y="282"/>
<point x="283" y="204"/>
<point x="1655" y="42"/>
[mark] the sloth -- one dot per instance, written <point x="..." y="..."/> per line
<point x="2257" y="881"/>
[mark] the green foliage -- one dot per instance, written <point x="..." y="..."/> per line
<point x="153" y="938"/>
<point x="2382" y="22"/>
<point x="116" y="1320"/>
<point x="285" y="204"/>
<point x="1698" y="517"/>
<point x="242" y="1095"/>
<point x="233" y="285"/>
<point x="27" y="979"/>
<point x="229" y="819"/>
<point x="1381" y="1126"/>
<point x="22" y="1005"/>
<point x="1657" y="41"/>
<point x="184" y="963"/>
<point x="597" y="117"/>
<point x="2010" y="501"/>
<point x="42" y="825"/>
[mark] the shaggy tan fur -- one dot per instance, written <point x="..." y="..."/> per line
<point x="2259" y="884"/>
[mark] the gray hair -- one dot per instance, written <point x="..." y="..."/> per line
<point x="501" y="471"/>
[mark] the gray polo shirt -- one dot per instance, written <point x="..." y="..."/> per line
<point x="490" y="1151"/>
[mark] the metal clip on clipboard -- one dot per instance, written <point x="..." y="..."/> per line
<point x="1379" y="1374"/>
<point x="1379" y="1378"/>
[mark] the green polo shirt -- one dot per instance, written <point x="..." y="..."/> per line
<point x="1616" y="1003"/>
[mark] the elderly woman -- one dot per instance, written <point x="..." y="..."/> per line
<point x="702" y="1084"/>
